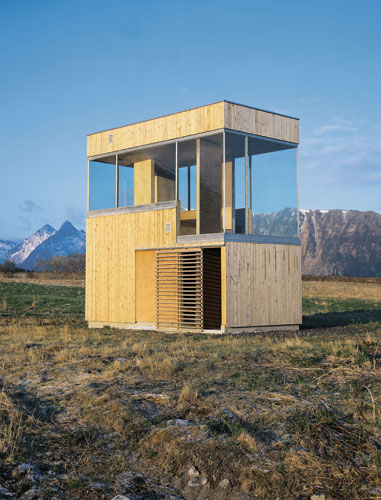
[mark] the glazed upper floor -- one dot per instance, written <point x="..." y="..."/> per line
<point x="240" y="178"/>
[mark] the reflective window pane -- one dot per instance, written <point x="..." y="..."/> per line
<point x="102" y="184"/>
<point x="211" y="199"/>
<point x="126" y="186"/>
<point x="274" y="190"/>
<point x="235" y="183"/>
<point x="165" y="172"/>
<point x="187" y="158"/>
<point x="154" y="173"/>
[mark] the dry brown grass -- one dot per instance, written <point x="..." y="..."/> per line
<point x="306" y="407"/>
<point x="281" y="415"/>
<point x="45" y="278"/>
<point x="342" y="289"/>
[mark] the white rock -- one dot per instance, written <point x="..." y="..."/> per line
<point x="194" y="483"/>
<point x="225" y="483"/>
<point x="205" y="481"/>
<point x="178" y="422"/>
<point x="193" y="472"/>
<point x="121" y="497"/>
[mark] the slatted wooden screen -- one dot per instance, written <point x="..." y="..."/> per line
<point x="179" y="290"/>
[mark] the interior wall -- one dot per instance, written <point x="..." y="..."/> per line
<point x="144" y="184"/>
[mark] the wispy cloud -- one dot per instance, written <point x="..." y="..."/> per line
<point x="31" y="215"/>
<point x="343" y="151"/>
<point x="334" y="129"/>
<point x="30" y="206"/>
<point x="76" y="216"/>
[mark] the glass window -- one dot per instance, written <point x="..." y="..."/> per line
<point x="211" y="196"/>
<point x="102" y="184"/>
<point x="165" y="172"/>
<point x="187" y="159"/>
<point x="274" y="188"/>
<point x="235" y="183"/>
<point x="126" y="185"/>
<point x="153" y="176"/>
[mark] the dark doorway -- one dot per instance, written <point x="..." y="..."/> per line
<point x="212" y="288"/>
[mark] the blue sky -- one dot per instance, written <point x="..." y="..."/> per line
<point x="73" y="67"/>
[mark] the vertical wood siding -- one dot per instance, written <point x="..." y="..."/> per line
<point x="110" y="259"/>
<point x="263" y="284"/>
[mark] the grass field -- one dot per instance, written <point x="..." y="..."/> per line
<point x="97" y="413"/>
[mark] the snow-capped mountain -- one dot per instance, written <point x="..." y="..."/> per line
<point x="5" y="248"/>
<point x="22" y="251"/>
<point x="66" y="241"/>
<point x="340" y="242"/>
<point x="334" y="242"/>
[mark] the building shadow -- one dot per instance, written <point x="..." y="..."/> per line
<point x="345" y="318"/>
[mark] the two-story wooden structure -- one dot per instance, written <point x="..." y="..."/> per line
<point x="193" y="224"/>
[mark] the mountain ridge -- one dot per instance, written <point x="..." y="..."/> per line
<point x="334" y="242"/>
<point x="66" y="241"/>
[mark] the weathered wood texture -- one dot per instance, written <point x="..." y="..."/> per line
<point x="264" y="123"/>
<point x="110" y="259"/>
<point x="263" y="285"/>
<point x="195" y="121"/>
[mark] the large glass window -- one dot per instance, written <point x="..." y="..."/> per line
<point x="235" y="183"/>
<point x="102" y="184"/>
<point x="126" y="184"/>
<point x="164" y="158"/>
<point x="187" y="178"/>
<point x="274" y="188"/>
<point x="257" y="195"/>
<point x="211" y="195"/>
<point x="147" y="175"/>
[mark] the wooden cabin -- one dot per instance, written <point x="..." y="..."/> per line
<point x="192" y="222"/>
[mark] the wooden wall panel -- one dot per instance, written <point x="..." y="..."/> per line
<point x="263" y="284"/>
<point x="145" y="286"/>
<point x="193" y="121"/>
<point x="110" y="259"/>
<point x="264" y="123"/>
<point x="215" y="116"/>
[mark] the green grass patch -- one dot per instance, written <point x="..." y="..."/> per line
<point x="30" y="300"/>
<point x="324" y="305"/>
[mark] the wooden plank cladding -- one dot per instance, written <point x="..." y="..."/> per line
<point x="182" y="124"/>
<point x="199" y="120"/>
<point x="179" y="299"/>
<point x="259" y="122"/>
<point x="111" y="241"/>
<point x="263" y="284"/>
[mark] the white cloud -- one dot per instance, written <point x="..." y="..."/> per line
<point x="329" y="129"/>
<point x="342" y="153"/>
<point x="76" y="216"/>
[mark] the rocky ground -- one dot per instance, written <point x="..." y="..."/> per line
<point x="92" y="414"/>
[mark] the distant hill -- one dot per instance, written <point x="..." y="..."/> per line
<point x="66" y="241"/>
<point x="5" y="248"/>
<point x="22" y="251"/>
<point x="334" y="242"/>
<point x="340" y="242"/>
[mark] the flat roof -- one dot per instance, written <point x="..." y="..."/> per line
<point x="218" y="116"/>
<point x="195" y="107"/>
